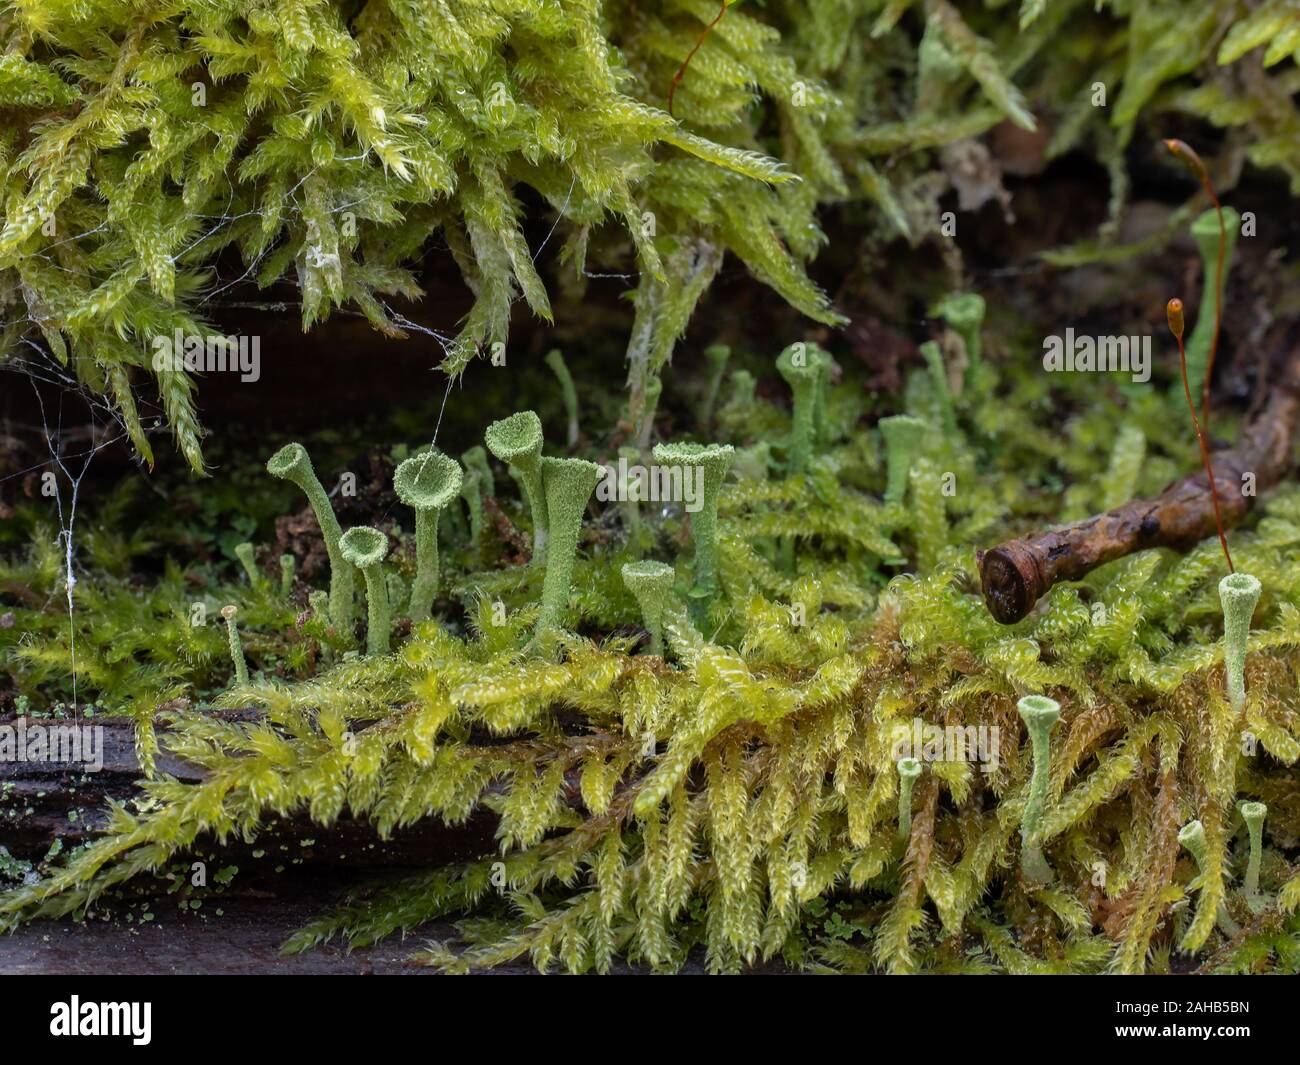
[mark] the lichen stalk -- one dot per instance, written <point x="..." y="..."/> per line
<point x="1039" y="714"/>
<point x="366" y="548"/>
<point x="1238" y="592"/>
<point x="293" y="464"/>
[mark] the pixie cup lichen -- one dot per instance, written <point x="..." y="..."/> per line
<point x="1039" y="714"/>
<point x="366" y="548"/>
<point x="555" y="360"/>
<point x="1192" y="837"/>
<point x="902" y="435"/>
<point x="933" y="355"/>
<point x="1205" y="231"/>
<point x="287" y="565"/>
<point x="248" y="559"/>
<point x="908" y="771"/>
<point x="568" y="484"/>
<point x="1238" y="592"/>
<point x="802" y="370"/>
<point x="427" y="483"/>
<point x="293" y="464"/>
<point x="236" y="647"/>
<point x="965" y="314"/>
<point x="651" y="583"/>
<point x="1253" y="813"/>
<point x="517" y="441"/>
<point x="713" y="460"/>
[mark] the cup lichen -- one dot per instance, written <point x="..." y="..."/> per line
<point x="236" y="647"/>
<point x="651" y="583"/>
<point x="909" y="769"/>
<point x="1238" y="592"/>
<point x="1039" y="714"/>
<point x="568" y="484"/>
<point x="517" y="441"/>
<point x="902" y="435"/>
<point x="714" y="460"/>
<point x="366" y="548"/>
<point x="428" y="483"/>
<point x="293" y="464"/>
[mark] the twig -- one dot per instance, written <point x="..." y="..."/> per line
<point x="1016" y="574"/>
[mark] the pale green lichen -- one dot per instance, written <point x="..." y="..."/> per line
<point x="1238" y="592"/>
<point x="965" y="314"/>
<point x="714" y="460"/>
<point x="1205" y="231"/>
<point x="909" y="769"/>
<point x="293" y="464"/>
<point x="473" y="486"/>
<point x="517" y="441"/>
<point x="555" y="360"/>
<point x="933" y="355"/>
<point x="716" y="357"/>
<point x="366" y="548"/>
<point x="802" y="370"/>
<point x="1253" y="813"/>
<point x="1192" y="837"/>
<point x="1039" y="714"/>
<point x="248" y="560"/>
<point x="902" y="434"/>
<point x="236" y="647"/>
<point x="287" y="565"/>
<point x="427" y="483"/>
<point x="651" y="583"/>
<point x="568" y="484"/>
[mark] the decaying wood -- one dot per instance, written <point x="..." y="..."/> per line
<point x="44" y="801"/>
<point x="1016" y="574"/>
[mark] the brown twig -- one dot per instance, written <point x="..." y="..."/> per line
<point x="1016" y="574"/>
<point x="681" y="71"/>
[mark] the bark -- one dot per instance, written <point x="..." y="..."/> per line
<point x="43" y="801"/>
<point x="1016" y="574"/>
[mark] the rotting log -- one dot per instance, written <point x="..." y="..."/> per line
<point x="44" y="801"/>
<point x="1016" y="574"/>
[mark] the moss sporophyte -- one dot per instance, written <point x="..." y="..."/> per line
<point x="293" y="464"/>
<point x="366" y="548"/>
<point x="428" y="483"/>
